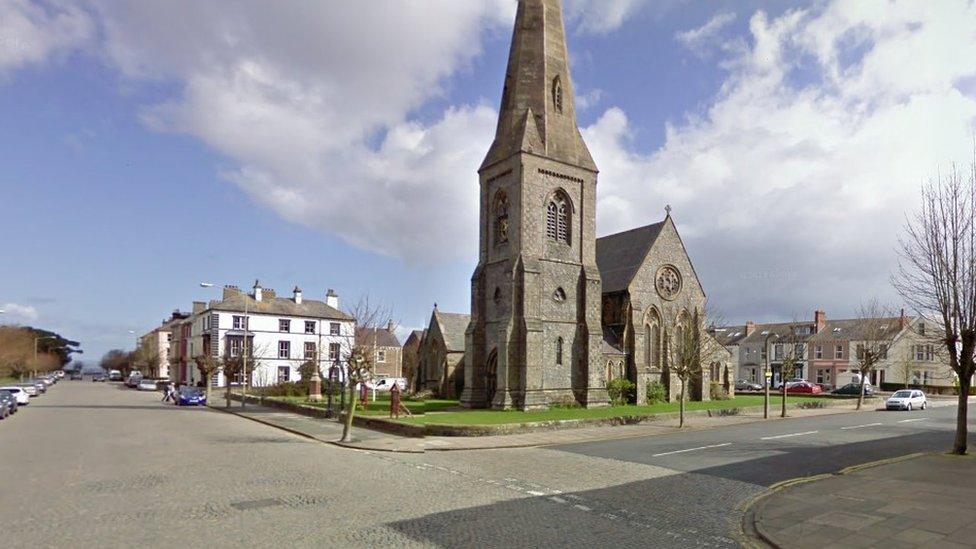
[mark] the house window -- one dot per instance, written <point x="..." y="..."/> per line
<point x="309" y="350"/>
<point x="380" y="355"/>
<point x="818" y="351"/>
<point x="309" y="326"/>
<point x="557" y="219"/>
<point x="239" y="322"/>
<point x="925" y="353"/>
<point x="559" y="350"/>
<point x="763" y="353"/>
<point x="925" y="377"/>
<point x="883" y="351"/>
<point x="334" y="328"/>
<point x="752" y="374"/>
<point x="839" y="352"/>
<point x="284" y="325"/>
<point x="333" y="352"/>
<point x="284" y="349"/>
<point x="860" y="351"/>
<point x="798" y="350"/>
<point x="284" y="374"/>
<point x="778" y="351"/>
<point x="235" y="347"/>
<point x="921" y="328"/>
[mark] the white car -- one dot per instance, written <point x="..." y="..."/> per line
<point x="147" y="385"/>
<point x="386" y="383"/>
<point x="19" y="394"/>
<point x="906" y="399"/>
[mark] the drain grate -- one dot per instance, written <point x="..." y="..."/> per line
<point x="250" y="505"/>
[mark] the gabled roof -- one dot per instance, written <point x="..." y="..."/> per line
<point x="452" y="327"/>
<point x="415" y="335"/>
<point x="383" y="337"/>
<point x="278" y="306"/>
<point x="728" y="335"/>
<point x="883" y="328"/>
<point x="620" y="256"/>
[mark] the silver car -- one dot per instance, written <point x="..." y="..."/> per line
<point x="906" y="399"/>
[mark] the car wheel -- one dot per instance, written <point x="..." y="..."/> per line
<point x="924" y="404"/>
<point x="909" y="407"/>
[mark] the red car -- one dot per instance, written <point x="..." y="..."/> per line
<point x="803" y="388"/>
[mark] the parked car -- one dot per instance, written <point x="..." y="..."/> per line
<point x="907" y="399"/>
<point x="19" y="394"/>
<point x="803" y="388"/>
<point x="59" y="373"/>
<point x="746" y="385"/>
<point x="386" y="383"/>
<point x="30" y="389"/>
<point x="100" y="377"/>
<point x="147" y="385"/>
<point x="191" y="396"/>
<point x="854" y="389"/>
<point x="114" y="375"/>
<point x="8" y="404"/>
<point x="76" y="376"/>
<point x="133" y="380"/>
<point x="41" y="386"/>
<point x="46" y="380"/>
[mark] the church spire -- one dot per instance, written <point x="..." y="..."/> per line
<point x="537" y="113"/>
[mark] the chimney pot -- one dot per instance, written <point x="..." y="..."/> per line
<point x="298" y="295"/>
<point x="750" y="328"/>
<point x="332" y="299"/>
<point x="819" y="320"/>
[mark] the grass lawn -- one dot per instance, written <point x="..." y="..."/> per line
<point x="381" y="406"/>
<point x="4" y="381"/>
<point x="494" y="417"/>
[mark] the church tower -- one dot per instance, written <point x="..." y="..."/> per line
<point x="535" y="334"/>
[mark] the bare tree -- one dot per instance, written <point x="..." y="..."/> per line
<point x="16" y="348"/>
<point x="791" y="342"/>
<point x="688" y="346"/>
<point x="233" y="365"/>
<point x="208" y="366"/>
<point x="360" y="353"/>
<point x="872" y="337"/>
<point x="937" y="274"/>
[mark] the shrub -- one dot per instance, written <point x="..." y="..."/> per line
<point x="621" y="391"/>
<point x="717" y="391"/>
<point x="810" y="405"/>
<point x="655" y="392"/>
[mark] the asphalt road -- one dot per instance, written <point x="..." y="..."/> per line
<point x="94" y="465"/>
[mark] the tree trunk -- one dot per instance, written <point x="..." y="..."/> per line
<point x="681" y="405"/>
<point x="860" y="394"/>
<point x="227" y="385"/>
<point x="783" y="403"/>
<point x="962" y="417"/>
<point x="347" y="424"/>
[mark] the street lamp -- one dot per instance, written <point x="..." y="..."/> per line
<point x="333" y="373"/>
<point x="767" y="374"/>
<point x="243" y="351"/>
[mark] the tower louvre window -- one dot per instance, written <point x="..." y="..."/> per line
<point x="557" y="219"/>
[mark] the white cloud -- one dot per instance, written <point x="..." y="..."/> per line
<point x="16" y="312"/>
<point x="30" y="33"/>
<point x="601" y="16"/>
<point x="791" y="188"/>
<point x="701" y="40"/>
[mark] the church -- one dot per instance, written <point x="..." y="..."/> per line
<point x="556" y="313"/>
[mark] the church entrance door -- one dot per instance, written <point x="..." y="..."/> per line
<point x="491" y="378"/>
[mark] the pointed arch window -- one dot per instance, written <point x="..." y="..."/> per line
<point x="559" y="350"/>
<point x="500" y="209"/>
<point x="652" y="341"/>
<point x="558" y="213"/>
<point x="557" y="93"/>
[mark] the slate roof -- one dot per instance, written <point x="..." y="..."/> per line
<point x="859" y="329"/>
<point x="384" y="337"/>
<point x="416" y="335"/>
<point x="728" y="335"/>
<point x="278" y="306"/>
<point x="834" y="330"/>
<point x="620" y="256"/>
<point x="452" y="326"/>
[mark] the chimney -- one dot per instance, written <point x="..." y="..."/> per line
<point x="750" y="327"/>
<point x="819" y="320"/>
<point x="903" y="319"/>
<point x="231" y="291"/>
<point x="297" y="294"/>
<point x="332" y="299"/>
<point x="258" y="291"/>
<point x="199" y="307"/>
<point x="389" y="326"/>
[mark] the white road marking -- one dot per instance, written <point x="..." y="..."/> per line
<point x="914" y="419"/>
<point x="557" y="499"/>
<point x="583" y="508"/>
<point x="535" y="493"/>
<point x="691" y="449"/>
<point x="861" y="426"/>
<point x="791" y="435"/>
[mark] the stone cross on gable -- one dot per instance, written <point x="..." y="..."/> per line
<point x="667" y="210"/>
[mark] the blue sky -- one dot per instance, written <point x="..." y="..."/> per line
<point x="336" y="147"/>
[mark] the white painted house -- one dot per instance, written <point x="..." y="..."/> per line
<point x="284" y="332"/>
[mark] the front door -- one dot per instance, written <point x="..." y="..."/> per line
<point x="491" y="378"/>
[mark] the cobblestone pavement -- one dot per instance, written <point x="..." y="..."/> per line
<point x="95" y="465"/>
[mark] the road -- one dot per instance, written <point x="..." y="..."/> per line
<point x="94" y="465"/>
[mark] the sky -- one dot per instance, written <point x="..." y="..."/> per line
<point x="150" y="146"/>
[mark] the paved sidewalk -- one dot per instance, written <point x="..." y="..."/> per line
<point x="329" y="431"/>
<point x="922" y="501"/>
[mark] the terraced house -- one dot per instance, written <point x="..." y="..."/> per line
<point x="282" y="332"/>
<point x="831" y="352"/>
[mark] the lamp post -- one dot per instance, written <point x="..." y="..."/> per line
<point x="333" y="372"/>
<point x="243" y="350"/>
<point x="767" y="375"/>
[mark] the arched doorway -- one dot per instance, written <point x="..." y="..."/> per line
<point x="491" y="378"/>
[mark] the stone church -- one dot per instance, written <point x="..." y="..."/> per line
<point x="556" y="312"/>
